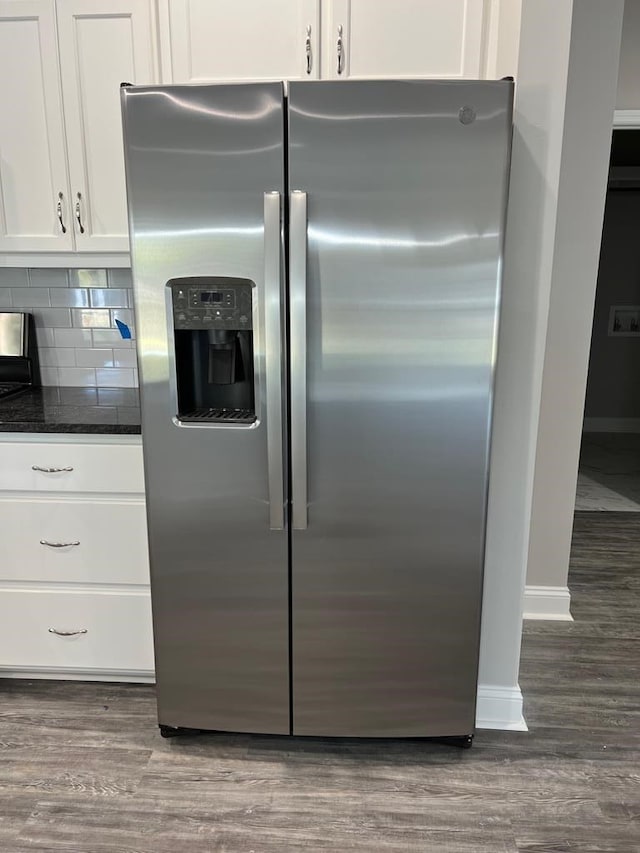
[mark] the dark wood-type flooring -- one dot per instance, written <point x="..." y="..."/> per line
<point x="83" y="768"/>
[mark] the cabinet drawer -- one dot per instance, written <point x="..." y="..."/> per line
<point x="111" y="541"/>
<point x="84" y="467"/>
<point x="117" y="625"/>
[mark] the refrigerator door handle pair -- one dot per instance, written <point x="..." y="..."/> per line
<point x="273" y="347"/>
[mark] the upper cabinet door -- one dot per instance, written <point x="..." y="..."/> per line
<point x="402" y="38"/>
<point x="33" y="170"/>
<point x="228" y="40"/>
<point x="102" y="44"/>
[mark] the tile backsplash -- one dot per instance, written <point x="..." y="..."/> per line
<point x="75" y="312"/>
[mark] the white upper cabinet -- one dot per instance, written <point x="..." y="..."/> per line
<point x="214" y="40"/>
<point x="62" y="183"/>
<point x="402" y="38"/>
<point x="102" y="44"/>
<point x="33" y="168"/>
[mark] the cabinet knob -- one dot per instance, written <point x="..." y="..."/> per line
<point x="51" y="470"/>
<point x="59" y="544"/>
<point x="340" y="50"/>
<point x="67" y="633"/>
<point x="59" y="213"/>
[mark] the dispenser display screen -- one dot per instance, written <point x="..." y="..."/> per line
<point x="211" y="296"/>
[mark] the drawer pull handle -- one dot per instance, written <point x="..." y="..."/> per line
<point x="67" y="633"/>
<point x="51" y="470"/>
<point x="59" y="544"/>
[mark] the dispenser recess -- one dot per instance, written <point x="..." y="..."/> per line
<point x="213" y="333"/>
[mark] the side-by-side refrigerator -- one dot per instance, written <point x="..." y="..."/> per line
<point x="316" y="280"/>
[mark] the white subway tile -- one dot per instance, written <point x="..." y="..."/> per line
<point x="113" y="377"/>
<point x="119" y="278"/>
<point x="49" y="375"/>
<point x="72" y="297"/>
<point x="52" y="318"/>
<point x="91" y="318"/>
<point x="94" y="358"/>
<point x="77" y="376"/>
<point x="13" y="277"/>
<point x="31" y="297"/>
<point x="72" y="337"/>
<point x="112" y="298"/>
<point x="88" y="278"/>
<point x="48" y="278"/>
<point x="125" y="315"/>
<point x="111" y="338"/>
<point x="125" y="358"/>
<point x="45" y="337"/>
<point x="57" y="356"/>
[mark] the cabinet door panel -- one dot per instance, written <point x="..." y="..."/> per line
<point x="113" y="630"/>
<point x="404" y="38"/>
<point x="25" y="467"/>
<point x="109" y="541"/>
<point x="101" y="45"/>
<point x="32" y="155"/>
<point x="214" y="40"/>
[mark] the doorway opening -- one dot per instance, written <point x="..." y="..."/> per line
<point x="609" y="470"/>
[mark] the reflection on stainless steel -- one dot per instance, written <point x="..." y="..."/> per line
<point x="396" y="218"/>
<point x="298" y="346"/>
<point x="388" y="241"/>
<point x="19" y="366"/>
<point x="12" y="334"/>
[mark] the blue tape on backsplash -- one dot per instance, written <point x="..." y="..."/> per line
<point x="124" y="330"/>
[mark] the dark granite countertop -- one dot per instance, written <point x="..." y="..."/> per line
<point x="97" y="411"/>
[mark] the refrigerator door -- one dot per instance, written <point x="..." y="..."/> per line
<point x="205" y="173"/>
<point x="397" y="216"/>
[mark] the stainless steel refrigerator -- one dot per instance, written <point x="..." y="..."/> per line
<point x="316" y="281"/>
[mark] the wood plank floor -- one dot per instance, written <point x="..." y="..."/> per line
<point x="83" y="769"/>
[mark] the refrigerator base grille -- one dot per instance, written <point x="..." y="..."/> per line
<point x="226" y="416"/>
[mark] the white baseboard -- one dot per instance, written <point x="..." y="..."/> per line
<point x="611" y="425"/>
<point x="500" y="708"/>
<point x="56" y="673"/>
<point x="626" y="118"/>
<point x="547" y="602"/>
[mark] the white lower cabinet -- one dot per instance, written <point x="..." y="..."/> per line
<point x="74" y="566"/>
<point x="70" y="541"/>
<point x="78" y="630"/>
<point x="63" y="467"/>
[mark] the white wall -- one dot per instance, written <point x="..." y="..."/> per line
<point x="535" y="168"/>
<point x="545" y="196"/>
<point x="502" y="38"/>
<point x="628" y="97"/>
<point x="581" y="190"/>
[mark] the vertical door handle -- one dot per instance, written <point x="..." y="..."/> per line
<point x="78" y="217"/>
<point x="340" y="50"/>
<point x="307" y="50"/>
<point x="298" y="336"/>
<point x="59" y="213"/>
<point x="273" y="357"/>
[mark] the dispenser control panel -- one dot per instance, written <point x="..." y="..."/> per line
<point x="204" y="302"/>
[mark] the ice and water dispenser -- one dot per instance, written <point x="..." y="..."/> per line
<point x="213" y="332"/>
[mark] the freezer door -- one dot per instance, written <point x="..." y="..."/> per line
<point x="398" y="194"/>
<point x="205" y="173"/>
